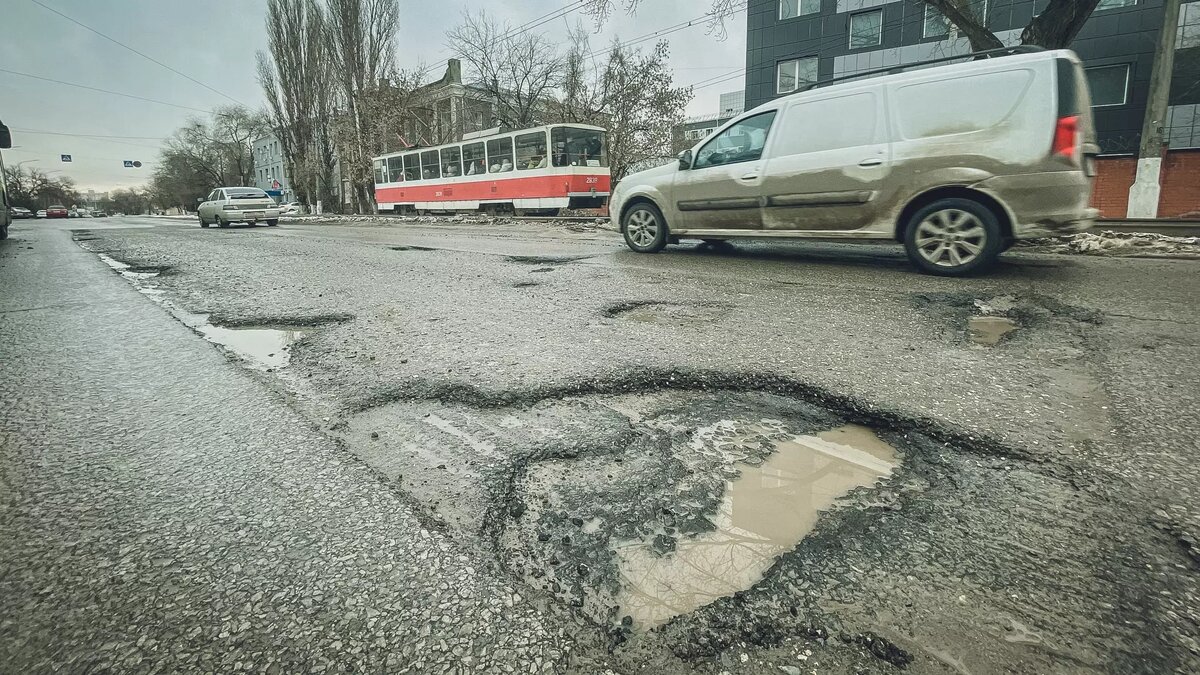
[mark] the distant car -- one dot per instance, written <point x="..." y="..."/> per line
<point x="41" y="214"/>
<point x="99" y="214"/>
<point x="20" y="212"/>
<point x="237" y="205"/>
<point x="291" y="208"/>
<point x="57" y="211"/>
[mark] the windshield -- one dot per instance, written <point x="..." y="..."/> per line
<point x="578" y="147"/>
<point x="246" y="194"/>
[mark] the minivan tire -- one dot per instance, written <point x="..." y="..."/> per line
<point x="644" y="228"/>
<point x="953" y="237"/>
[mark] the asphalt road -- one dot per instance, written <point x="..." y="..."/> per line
<point x="403" y="492"/>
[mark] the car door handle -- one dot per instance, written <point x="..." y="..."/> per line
<point x="750" y="176"/>
<point x="874" y="161"/>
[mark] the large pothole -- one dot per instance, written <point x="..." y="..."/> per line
<point x="633" y="508"/>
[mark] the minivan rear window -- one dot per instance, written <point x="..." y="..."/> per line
<point x="1068" y="85"/>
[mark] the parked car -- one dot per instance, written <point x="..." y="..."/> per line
<point x="41" y="213"/>
<point x="99" y="214"/>
<point x="237" y="205"/>
<point x="954" y="161"/>
<point x="57" y="211"/>
<point x="20" y="212"/>
<point x="291" y="209"/>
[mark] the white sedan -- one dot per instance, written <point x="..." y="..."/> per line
<point x="237" y="205"/>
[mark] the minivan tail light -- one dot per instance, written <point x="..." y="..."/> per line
<point x="1066" y="137"/>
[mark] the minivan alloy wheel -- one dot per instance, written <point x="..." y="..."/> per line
<point x="950" y="237"/>
<point x="643" y="227"/>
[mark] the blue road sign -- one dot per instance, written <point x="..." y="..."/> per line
<point x="129" y="164"/>
<point x="66" y="158"/>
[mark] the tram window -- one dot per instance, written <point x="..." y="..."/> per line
<point x="380" y="171"/>
<point x="412" y="167"/>
<point x="500" y="155"/>
<point x="395" y="170"/>
<point x="474" y="160"/>
<point x="429" y="165"/>
<point x="531" y="151"/>
<point x="578" y="147"/>
<point x="452" y="161"/>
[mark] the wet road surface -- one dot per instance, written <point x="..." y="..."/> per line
<point x="535" y="405"/>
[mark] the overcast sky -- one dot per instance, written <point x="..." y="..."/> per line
<point x="214" y="42"/>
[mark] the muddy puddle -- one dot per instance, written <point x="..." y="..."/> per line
<point x="261" y="347"/>
<point x="765" y="512"/>
<point x="990" y="330"/>
<point x="265" y="348"/>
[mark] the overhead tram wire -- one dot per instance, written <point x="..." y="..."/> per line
<point x="526" y="27"/>
<point x="103" y="91"/>
<point x="141" y="54"/>
<point x="683" y="25"/>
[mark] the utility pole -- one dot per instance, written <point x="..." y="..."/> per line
<point x="1143" y="194"/>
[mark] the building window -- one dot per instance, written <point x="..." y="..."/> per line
<point x="1189" y="26"/>
<point x="1114" y="4"/>
<point x="794" y="74"/>
<point x="790" y="9"/>
<point x="866" y="29"/>
<point x="937" y="25"/>
<point x="1109" y="84"/>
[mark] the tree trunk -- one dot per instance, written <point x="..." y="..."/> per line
<point x="1057" y="27"/>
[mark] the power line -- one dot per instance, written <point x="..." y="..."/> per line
<point x="105" y="91"/>
<point x="141" y="54"/>
<point x="60" y="133"/>
<point x="683" y="25"/>
<point x="526" y="27"/>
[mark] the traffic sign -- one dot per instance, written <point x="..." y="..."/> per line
<point x="66" y="158"/>
<point x="129" y="164"/>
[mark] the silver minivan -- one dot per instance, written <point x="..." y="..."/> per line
<point x="955" y="161"/>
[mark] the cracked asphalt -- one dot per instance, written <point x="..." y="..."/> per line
<point x="402" y="494"/>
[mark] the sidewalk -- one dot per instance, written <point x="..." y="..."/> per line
<point x="162" y="510"/>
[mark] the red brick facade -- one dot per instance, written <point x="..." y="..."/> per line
<point x="1180" y="197"/>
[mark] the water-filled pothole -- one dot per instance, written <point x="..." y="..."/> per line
<point x="267" y="348"/>
<point x="989" y="330"/>
<point x="263" y="347"/>
<point x="764" y="512"/>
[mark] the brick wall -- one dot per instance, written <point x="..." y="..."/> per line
<point x="1110" y="192"/>
<point x="1180" y="196"/>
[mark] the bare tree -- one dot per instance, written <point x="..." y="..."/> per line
<point x="295" y="77"/>
<point x="1055" y="28"/>
<point x="641" y="107"/>
<point x="360" y="36"/>
<point x="581" y="92"/>
<point x="518" y="70"/>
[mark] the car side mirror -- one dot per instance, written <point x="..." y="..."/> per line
<point x="5" y="138"/>
<point x="685" y="160"/>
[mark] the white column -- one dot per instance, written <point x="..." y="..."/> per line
<point x="1143" y="194"/>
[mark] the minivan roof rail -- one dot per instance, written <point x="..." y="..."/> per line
<point x="891" y="70"/>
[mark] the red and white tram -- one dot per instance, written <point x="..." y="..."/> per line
<point x="539" y="170"/>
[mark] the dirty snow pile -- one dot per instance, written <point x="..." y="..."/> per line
<point x="1129" y="244"/>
